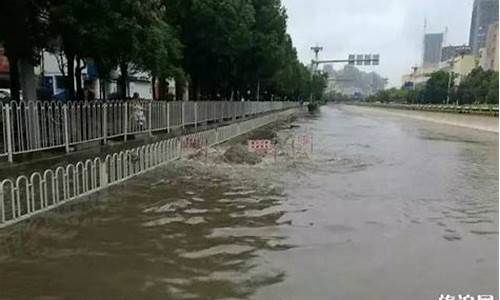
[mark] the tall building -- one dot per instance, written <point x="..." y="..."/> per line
<point x="328" y="69"/>
<point x="484" y="13"/>
<point x="489" y="54"/>
<point x="433" y="43"/>
<point x="449" y="52"/>
<point x="460" y="65"/>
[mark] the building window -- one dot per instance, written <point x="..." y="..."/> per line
<point x="60" y="82"/>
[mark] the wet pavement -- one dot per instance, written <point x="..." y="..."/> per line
<point x="384" y="208"/>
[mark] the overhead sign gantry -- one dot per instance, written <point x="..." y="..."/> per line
<point x="353" y="59"/>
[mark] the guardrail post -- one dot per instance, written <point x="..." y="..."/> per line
<point x="2" y="206"/>
<point x="196" y="114"/>
<point x="149" y="118"/>
<point x="125" y="122"/>
<point x="105" y="123"/>
<point x="233" y="104"/>
<point x="104" y="174"/>
<point x="66" y="129"/>
<point x="8" y="132"/>
<point x="179" y="148"/>
<point x="182" y="114"/>
<point x="223" y="110"/>
<point x="168" y="117"/>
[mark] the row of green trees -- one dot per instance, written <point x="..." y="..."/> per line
<point x="222" y="48"/>
<point x="478" y="87"/>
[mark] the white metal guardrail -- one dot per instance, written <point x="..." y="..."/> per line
<point x="472" y="108"/>
<point x="27" y="196"/>
<point x="37" y="126"/>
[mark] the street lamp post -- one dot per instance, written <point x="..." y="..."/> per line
<point x="367" y="60"/>
<point x="450" y="78"/>
<point x="461" y="54"/>
<point x="314" y="67"/>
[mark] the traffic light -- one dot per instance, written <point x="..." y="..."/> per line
<point x="368" y="60"/>
<point x="352" y="59"/>
<point x="359" y="59"/>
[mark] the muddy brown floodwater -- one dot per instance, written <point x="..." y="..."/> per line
<point x="385" y="208"/>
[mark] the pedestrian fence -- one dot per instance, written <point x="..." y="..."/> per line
<point x="27" y="196"/>
<point x="36" y="126"/>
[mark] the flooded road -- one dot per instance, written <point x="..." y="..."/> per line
<point x="384" y="208"/>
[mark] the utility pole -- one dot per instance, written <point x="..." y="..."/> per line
<point x="316" y="49"/>
<point x="258" y="89"/>
<point x="314" y="65"/>
<point x="461" y="54"/>
<point x="450" y="76"/>
<point x="366" y="60"/>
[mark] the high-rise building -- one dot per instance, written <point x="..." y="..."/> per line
<point x="433" y="43"/>
<point x="484" y="13"/>
<point x="489" y="54"/>
<point x="449" y="52"/>
<point x="328" y="69"/>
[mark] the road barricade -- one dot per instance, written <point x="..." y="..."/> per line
<point x="302" y="144"/>
<point x="260" y="146"/>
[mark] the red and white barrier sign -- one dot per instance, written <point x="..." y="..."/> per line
<point x="260" y="146"/>
<point x="304" y="140"/>
<point x="194" y="142"/>
<point x="302" y="144"/>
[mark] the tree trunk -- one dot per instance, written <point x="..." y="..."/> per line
<point x="102" y="86"/>
<point x="185" y="91"/>
<point x="258" y="89"/>
<point x="27" y="76"/>
<point x="70" y="77"/>
<point x="180" y="86"/>
<point x="196" y="89"/>
<point x="199" y="91"/>
<point x="78" y="79"/>
<point x="162" y="88"/>
<point x="153" y="87"/>
<point x="123" y="80"/>
<point x="14" y="76"/>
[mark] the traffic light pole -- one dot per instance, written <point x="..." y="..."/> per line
<point x="366" y="60"/>
<point x="314" y="67"/>
<point x="332" y="61"/>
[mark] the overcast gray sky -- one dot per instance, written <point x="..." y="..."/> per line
<point x="393" y="28"/>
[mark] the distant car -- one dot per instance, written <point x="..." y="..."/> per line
<point x="4" y="95"/>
